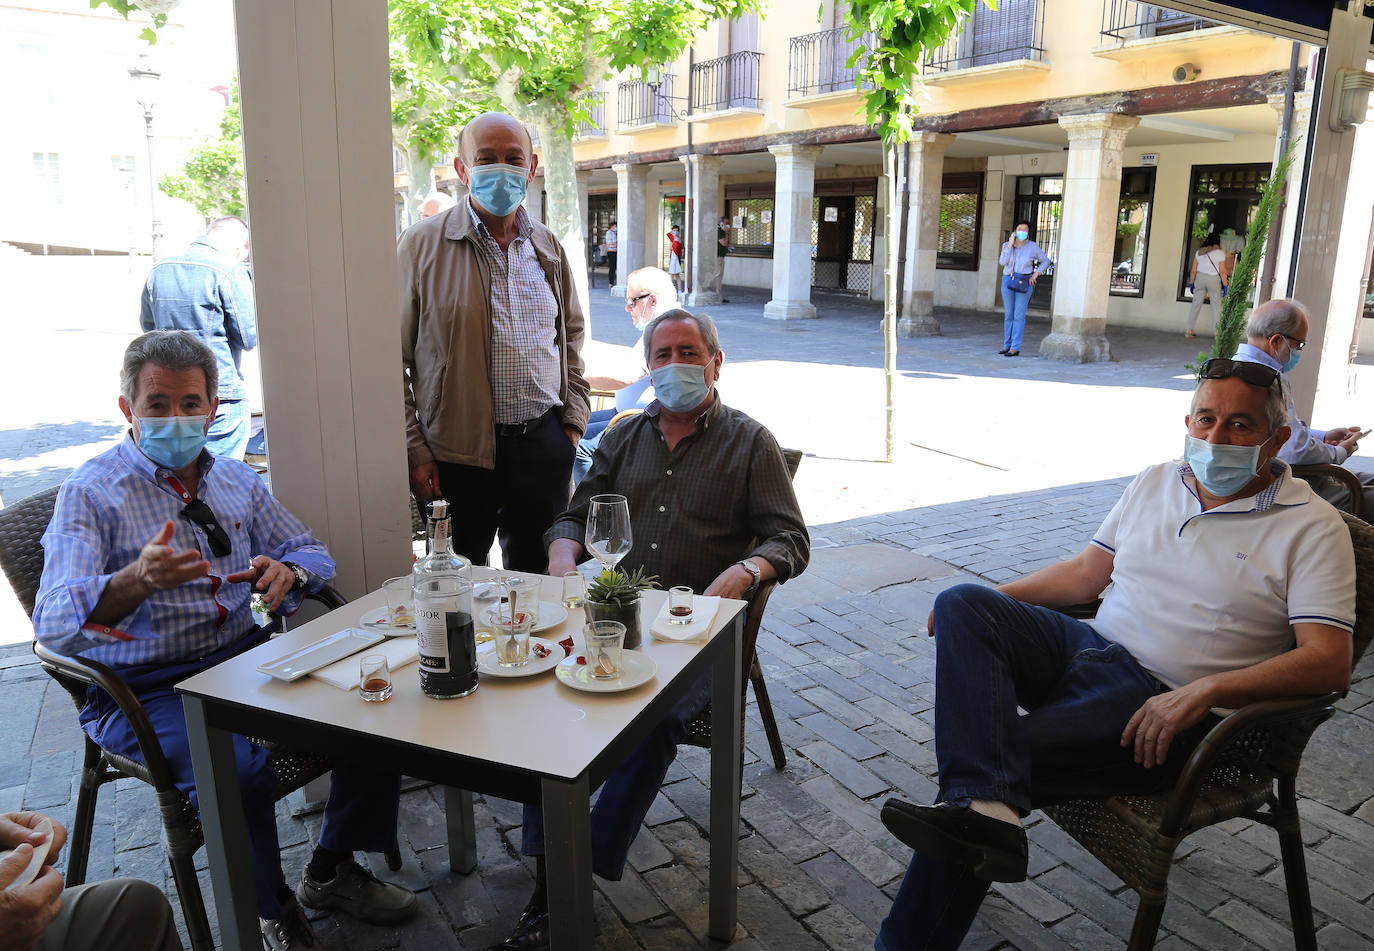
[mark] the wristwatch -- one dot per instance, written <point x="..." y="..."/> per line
<point x="753" y="569"/>
<point x="302" y="576"/>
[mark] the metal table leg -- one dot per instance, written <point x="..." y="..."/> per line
<point x="462" y="830"/>
<point x="725" y="783"/>
<point x="568" y="844"/>
<point x="226" y="835"/>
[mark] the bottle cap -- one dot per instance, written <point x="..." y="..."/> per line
<point x="438" y="508"/>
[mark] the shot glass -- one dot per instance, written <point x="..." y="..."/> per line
<point x="513" y="639"/>
<point x="400" y="611"/>
<point x="526" y="589"/>
<point x="374" y="678"/>
<point x="680" y="605"/>
<point x="574" y="590"/>
<point x="603" y="640"/>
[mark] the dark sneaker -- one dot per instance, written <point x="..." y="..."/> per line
<point x="995" y="849"/>
<point x="291" y="930"/>
<point x="354" y="891"/>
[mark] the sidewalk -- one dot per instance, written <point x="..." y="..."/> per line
<point x="1002" y="466"/>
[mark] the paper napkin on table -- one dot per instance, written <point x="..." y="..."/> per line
<point x="399" y="651"/>
<point x="703" y="616"/>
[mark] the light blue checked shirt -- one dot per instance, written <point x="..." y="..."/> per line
<point x="111" y="507"/>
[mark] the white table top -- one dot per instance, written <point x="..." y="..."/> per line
<point x="531" y="723"/>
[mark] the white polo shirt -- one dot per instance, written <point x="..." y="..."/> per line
<point x="1196" y="593"/>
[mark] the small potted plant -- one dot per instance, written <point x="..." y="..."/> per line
<point x="614" y="596"/>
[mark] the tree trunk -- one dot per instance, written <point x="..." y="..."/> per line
<point x="565" y="218"/>
<point x="419" y="181"/>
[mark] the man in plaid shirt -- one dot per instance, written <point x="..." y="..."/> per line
<point x="712" y="507"/>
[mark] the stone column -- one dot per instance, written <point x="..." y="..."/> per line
<point x="793" y="185"/>
<point x="583" y="180"/>
<point x="534" y="199"/>
<point x="703" y="184"/>
<point x="1082" y="277"/>
<point x="922" y="233"/>
<point x="1302" y="118"/>
<point x="632" y="185"/>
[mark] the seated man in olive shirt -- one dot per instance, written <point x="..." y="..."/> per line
<point x="712" y="507"/>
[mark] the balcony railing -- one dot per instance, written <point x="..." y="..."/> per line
<point x="816" y="63"/>
<point x="730" y="82"/>
<point x="597" y="125"/>
<point x="1014" y="31"/>
<point x="638" y="103"/>
<point x="1128" y="20"/>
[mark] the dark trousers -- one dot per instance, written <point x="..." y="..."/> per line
<point x="610" y="266"/>
<point x="518" y="500"/>
<point x="363" y="803"/>
<point x="994" y="654"/>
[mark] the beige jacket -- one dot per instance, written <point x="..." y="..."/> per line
<point x="446" y="339"/>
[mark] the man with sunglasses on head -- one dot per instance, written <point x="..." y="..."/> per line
<point x="1224" y="581"/>
<point x="1276" y="334"/>
<point x="151" y="559"/>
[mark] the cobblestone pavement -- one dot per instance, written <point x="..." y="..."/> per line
<point x="849" y="670"/>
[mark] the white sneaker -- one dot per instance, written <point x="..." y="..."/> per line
<point x="291" y="930"/>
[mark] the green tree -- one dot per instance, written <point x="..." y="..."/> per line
<point x="903" y="33"/>
<point x="125" y="7"/>
<point x="212" y="179"/>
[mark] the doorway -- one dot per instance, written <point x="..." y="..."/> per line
<point x="834" y="223"/>
<point x="600" y="214"/>
<point x="1040" y="203"/>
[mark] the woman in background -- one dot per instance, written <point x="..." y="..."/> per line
<point x="1208" y="280"/>
<point x="675" y="257"/>
<point x="1022" y="262"/>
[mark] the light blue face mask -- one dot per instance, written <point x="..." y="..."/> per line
<point x="1022" y="235"/>
<point x="680" y="386"/>
<point x="171" y="441"/>
<point x="498" y="188"/>
<point x="1220" y="469"/>
<point x="1293" y="357"/>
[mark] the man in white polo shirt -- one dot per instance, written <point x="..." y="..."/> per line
<point x="1224" y="581"/>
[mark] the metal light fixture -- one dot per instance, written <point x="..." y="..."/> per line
<point x="145" y="79"/>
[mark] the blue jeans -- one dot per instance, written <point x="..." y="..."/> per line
<point x="1014" y="303"/>
<point x="627" y="794"/>
<point x="229" y="430"/>
<point x="993" y="654"/>
<point x="586" y="446"/>
<point x="363" y="803"/>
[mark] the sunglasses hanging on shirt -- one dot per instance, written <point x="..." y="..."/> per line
<point x="202" y="516"/>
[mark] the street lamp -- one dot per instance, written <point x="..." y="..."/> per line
<point x="144" y="77"/>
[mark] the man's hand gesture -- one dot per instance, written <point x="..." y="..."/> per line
<point x="159" y="567"/>
<point x="272" y="578"/>
<point x="26" y="912"/>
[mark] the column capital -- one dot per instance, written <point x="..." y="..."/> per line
<point x="798" y="153"/>
<point x="1105" y="128"/>
<point x="700" y="160"/>
<point x="931" y="142"/>
<point x="630" y="170"/>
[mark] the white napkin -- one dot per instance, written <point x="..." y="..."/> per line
<point x="399" y="651"/>
<point x="703" y="616"/>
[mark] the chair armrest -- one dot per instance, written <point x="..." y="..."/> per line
<point x="98" y="675"/>
<point x="1326" y="470"/>
<point x="328" y="596"/>
<point x="1263" y="713"/>
<point x="1083" y="612"/>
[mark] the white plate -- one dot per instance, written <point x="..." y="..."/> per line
<point x="635" y="670"/>
<point x="486" y="660"/>
<point x="321" y="653"/>
<point x="377" y="620"/>
<point x="40" y="855"/>
<point x="551" y="614"/>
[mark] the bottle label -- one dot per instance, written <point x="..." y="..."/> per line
<point x="431" y="628"/>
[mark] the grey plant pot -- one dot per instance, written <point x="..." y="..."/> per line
<point x="627" y="615"/>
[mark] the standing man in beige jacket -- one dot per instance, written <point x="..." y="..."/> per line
<point x="491" y="339"/>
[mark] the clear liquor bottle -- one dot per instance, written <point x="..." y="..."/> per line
<point x="443" y="613"/>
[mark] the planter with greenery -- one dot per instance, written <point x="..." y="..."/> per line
<point x="614" y="596"/>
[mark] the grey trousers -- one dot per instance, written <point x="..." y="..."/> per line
<point x="123" y="914"/>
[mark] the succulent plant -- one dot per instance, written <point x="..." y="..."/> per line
<point x="613" y="586"/>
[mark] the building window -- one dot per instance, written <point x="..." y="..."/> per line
<point x="1222" y="198"/>
<point x="961" y="209"/>
<point x="47" y="176"/>
<point x="750" y="210"/>
<point x="842" y="218"/>
<point x="1132" y="231"/>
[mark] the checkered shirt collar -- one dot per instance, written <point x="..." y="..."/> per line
<point x="1266" y="497"/>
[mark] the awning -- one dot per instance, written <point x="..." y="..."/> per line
<point x="1305" y="20"/>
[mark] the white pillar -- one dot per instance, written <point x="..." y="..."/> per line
<point x="793" y="185"/>
<point x="324" y="269"/>
<point x="703" y="182"/>
<point x="1335" y="226"/>
<point x="632" y="185"/>
<point x="924" y="177"/>
<point x="1092" y="194"/>
<point x="996" y="182"/>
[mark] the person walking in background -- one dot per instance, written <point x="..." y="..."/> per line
<point x="206" y="290"/>
<point x="612" y="246"/>
<point x="675" y="257"/>
<point x="1207" y="280"/>
<point x="1022" y="262"/>
<point x="722" y="249"/>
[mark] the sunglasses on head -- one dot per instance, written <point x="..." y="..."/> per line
<point x="1256" y="374"/>
<point x="200" y="514"/>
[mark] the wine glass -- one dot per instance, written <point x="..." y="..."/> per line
<point x="608" y="529"/>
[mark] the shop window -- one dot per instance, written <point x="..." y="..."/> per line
<point x="1222" y="198"/>
<point x="961" y="205"/>
<point x="1132" y="231"/>
<point x="751" y="226"/>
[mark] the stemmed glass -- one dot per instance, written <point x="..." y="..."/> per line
<point x="608" y="529"/>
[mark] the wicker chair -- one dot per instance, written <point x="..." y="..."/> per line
<point x="699" y="729"/>
<point x="1246" y="766"/>
<point x="1319" y="473"/>
<point x="21" y="556"/>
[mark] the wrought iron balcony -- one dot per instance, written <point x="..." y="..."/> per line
<point x="817" y="63"/>
<point x="730" y="82"/>
<point x="597" y="125"/>
<point x="1014" y="31"/>
<point x="1128" y="20"/>
<point x="638" y="103"/>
